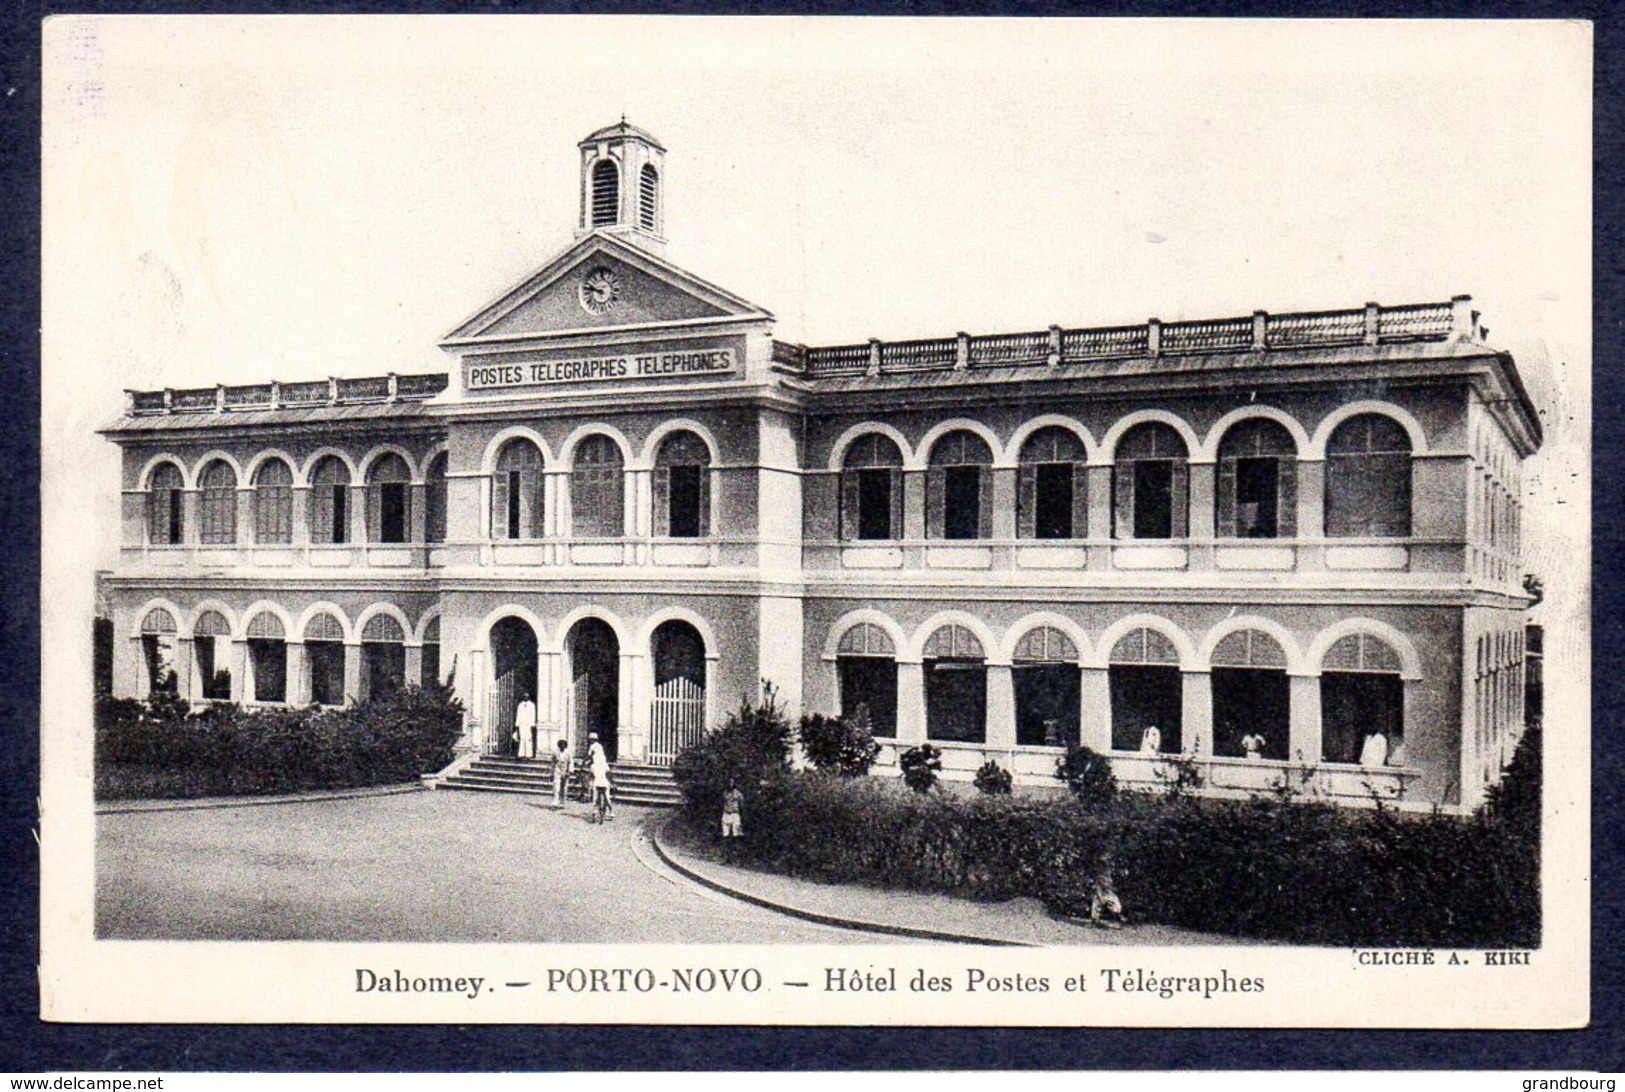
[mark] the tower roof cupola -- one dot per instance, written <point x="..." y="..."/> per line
<point x="622" y="185"/>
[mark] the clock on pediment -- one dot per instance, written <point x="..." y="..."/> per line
<point x="599" y="291"/>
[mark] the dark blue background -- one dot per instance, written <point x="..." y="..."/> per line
<point x="26" y="1044"/>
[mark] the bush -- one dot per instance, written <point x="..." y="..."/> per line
<point x="843" y="746"/>
<point x="1298" y="873"/>
<point x="920" y="766"/>
<point x="993" y="779"/>
<point x="751" y="750"/>
<point x="1515" y="799"/>
<point x="160" y="746"/>
<point x="1088" y="775"/>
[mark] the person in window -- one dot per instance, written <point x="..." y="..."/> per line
<point x="1151" y="740"/>
<point x="1374" y="752"/>
<point x="1252" y="746"/>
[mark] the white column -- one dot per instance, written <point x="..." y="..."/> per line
<point x="352" y="673"/>
<point x="1305" y="731"/>
<point x="557" y="695"/>
<point x="301" y="515"/>
<point x="298" y="691"/>
<point x="1196" y="713"/>
<point x="185" y="654"/>
<point x="474" y="686"/>
<point x="632" y="723"/>
<point x="1095" y="718"/>
<point x="239" y="671"/>
<point x="414" y="665"/>
<point x="245" y="516"/>
<point x="910" y="703"/>
<point x="358" y="515"/>
<point x="1001" y="711"/>
<point x="130" y="669"/>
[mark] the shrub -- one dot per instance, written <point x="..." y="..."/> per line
<point x="843" y="745"/>
<point x="993" y="779"/>
<point x="920" y="766"/>
<point x="1515" y="799"/>
<point x="1088" y="775"/>
<point x="751" y="750"/>
<point x="1300" y="873"/>
<point x="224" y="749"/>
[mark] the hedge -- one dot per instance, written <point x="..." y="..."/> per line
<point x="1288" y="871"/>
<point x="162" y="748"/>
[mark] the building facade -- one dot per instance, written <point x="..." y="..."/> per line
<point x="1284" y="545"/>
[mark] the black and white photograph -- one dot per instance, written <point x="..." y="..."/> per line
<point x="800" y="520"/>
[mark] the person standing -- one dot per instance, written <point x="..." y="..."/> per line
<point x="561" y="772"/>
<point x="598" y="762"/>
<point x="733" y="806"/>
<point x="1252" y="746"/>
<point x="524" y="726"/>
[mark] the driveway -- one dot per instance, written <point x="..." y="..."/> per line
<point x="424" y="866"/>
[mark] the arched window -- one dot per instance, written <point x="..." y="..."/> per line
<point x="872" y="489"/>
<point x="1147" y="692"/>
<point x="267" y="658"/>
<point x="166" y="506"/>
<point x="383" y="657"/>
<point x="1368" y="479"/>
<point x="429" y="672"/>
<point x="649" y="197"/>
<point x="158" y="634"/>
<point x="1250" y="696"/>
<point x="606" y="193"/>
<point x="434" y="500"/>
<point x="955" y="686"/>
<point x="959" y="488"/>
<point x="1362" y="703"/>
<point x="1151" y="483"/>
<point x="217" y="522"/>
<point x="1048" y="686"/>
<point x="389" y="499"/>
<point x="211" y="645"/>
<point x="330" y="502"/>
<point x="517" y="491"/>
<point x="866" y="662"/>
<point x="1052" y="486"/>
<point x="597" y="497"/>
<point x="273" y="503"/>
<point x="682" y="487"/>
<point x="1257" y="481"/>
<point x="324" y="659"/>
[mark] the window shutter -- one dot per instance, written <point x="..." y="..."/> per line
<point x="1123" y="500"/>
<point x="499" y="504"/>
<point x="705" y="501"/>
<point x="849" y="505"/>
<point x="1286" y="498"/>
<point x="984" y="496"/>
<point x="321" y="514"/>
<point x="1027" y="501"/>
<point x="1080" y="500"/>
<point x="1181" y="490"/>
<point x="660" y="489"/>
<point x="1224" y="509"/>
<point x="895" y="527"/>
<point x="936" y="496"/>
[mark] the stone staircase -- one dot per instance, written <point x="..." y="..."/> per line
<point x="635" y="782"/>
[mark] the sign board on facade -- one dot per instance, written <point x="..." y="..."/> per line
<point x="591" y="369"/>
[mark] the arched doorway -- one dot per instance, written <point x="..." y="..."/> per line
<point x="595" y="684"/>
<point x="677" y="718"/>
<point x="513" y="680"/>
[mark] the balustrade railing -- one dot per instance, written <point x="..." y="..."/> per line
<point x="315" y="392"/>
<point x="1255" y="333"/>
<point x="1259" y="332"/>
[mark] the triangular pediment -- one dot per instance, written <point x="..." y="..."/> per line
<point x="626" y="286"/>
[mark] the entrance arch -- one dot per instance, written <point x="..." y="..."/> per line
<point x="594" y="698"/>
<point x="513" y="681"/>
<point x="677" y="716"/>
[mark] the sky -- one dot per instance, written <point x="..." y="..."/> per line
<point x="237" y="199"/>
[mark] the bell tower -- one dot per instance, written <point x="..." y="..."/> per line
<point x="623" y="186"/>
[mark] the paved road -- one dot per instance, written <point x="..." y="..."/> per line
<point x="429" y="866"/>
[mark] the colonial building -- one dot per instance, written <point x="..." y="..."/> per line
<point x="1283" y="544"/>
